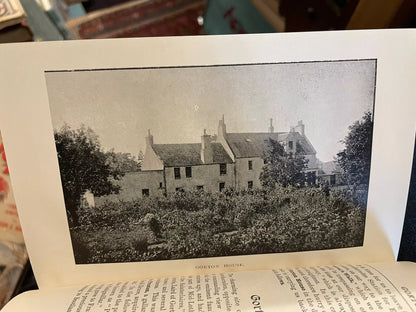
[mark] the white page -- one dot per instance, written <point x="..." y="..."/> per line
<point x="28" y="137"/>
<point x="385" y="287"/>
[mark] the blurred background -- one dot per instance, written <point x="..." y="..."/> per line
<point x="43" y="20"/>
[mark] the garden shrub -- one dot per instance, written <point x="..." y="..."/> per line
<point x="200" y="224"/>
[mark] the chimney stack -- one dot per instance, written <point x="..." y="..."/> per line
<point x="206" y="149"/>
<point x="300" y="127"/>
<point x="271" y="129"/>
<point x="222" y="131"/>
<point x="149" y="139"/>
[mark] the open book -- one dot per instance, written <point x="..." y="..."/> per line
<point x="231" y="173"/>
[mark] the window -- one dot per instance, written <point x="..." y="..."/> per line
<point x="290" y="144"/>
<point x="222" y="186"/>
<point x="145" y="192"/>
<point x="177" y="172"/>
<point x="188" y="172"/>
<point x="160" y="185"/>
<point x="200" y="187"/>
<point x="250" y="184"/>
<point x="250" y="165"/>
<point x="223" y="169"/>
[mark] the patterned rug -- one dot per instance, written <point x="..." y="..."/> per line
<point x="141" y="19"/>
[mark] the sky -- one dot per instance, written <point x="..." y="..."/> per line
<point x="177" y="104"/>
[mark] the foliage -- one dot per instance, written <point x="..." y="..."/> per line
<point x="199" y="224"/>
<point x="281" y="167"/>
<point x="122" y="162"/>
<point x="83" y="166"/>
<point x="356" y="157"/>
<point x="140" y="157"/>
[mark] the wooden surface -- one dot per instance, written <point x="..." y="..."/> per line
<point x="374" y="14"/>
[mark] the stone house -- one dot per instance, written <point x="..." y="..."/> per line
<point x="227" y="160"/>
<point x="205" y="166"/>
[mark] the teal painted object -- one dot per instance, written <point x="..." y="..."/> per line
<point x="40" y="23"/>
<point x="76" y="10"/>
<point x="234" y="17"/>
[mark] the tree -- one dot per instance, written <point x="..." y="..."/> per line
<point x="140" y="158"/>
<point x="281" y="167"/>
<point x="83" y="166"/>
<point x="356" y="157"/>
<point x="123" y="162"/>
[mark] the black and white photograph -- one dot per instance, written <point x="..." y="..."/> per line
<point x="169" y="163"/>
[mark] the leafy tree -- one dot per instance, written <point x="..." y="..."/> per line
<point x="281" y="167"/>
<point x="356" y="157"/>
<point x="140" y="157"/>
<point x="83" y="166"/>
<point x="123" y="162"/>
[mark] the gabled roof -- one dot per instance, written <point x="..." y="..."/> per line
<point x="305" y="146"/>
<point x="188" y="154"/>
<point x="249" y="144"/>
<point x="253" y="144"/>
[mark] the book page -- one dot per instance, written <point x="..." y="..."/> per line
<point x="385" y="287"/>
<point x="146" y="158"/>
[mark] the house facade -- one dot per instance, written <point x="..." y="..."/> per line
<point x="226" y="160"/>
<point x="191" y="166"/>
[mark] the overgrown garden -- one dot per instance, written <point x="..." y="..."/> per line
<point x="198" y="224"/>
